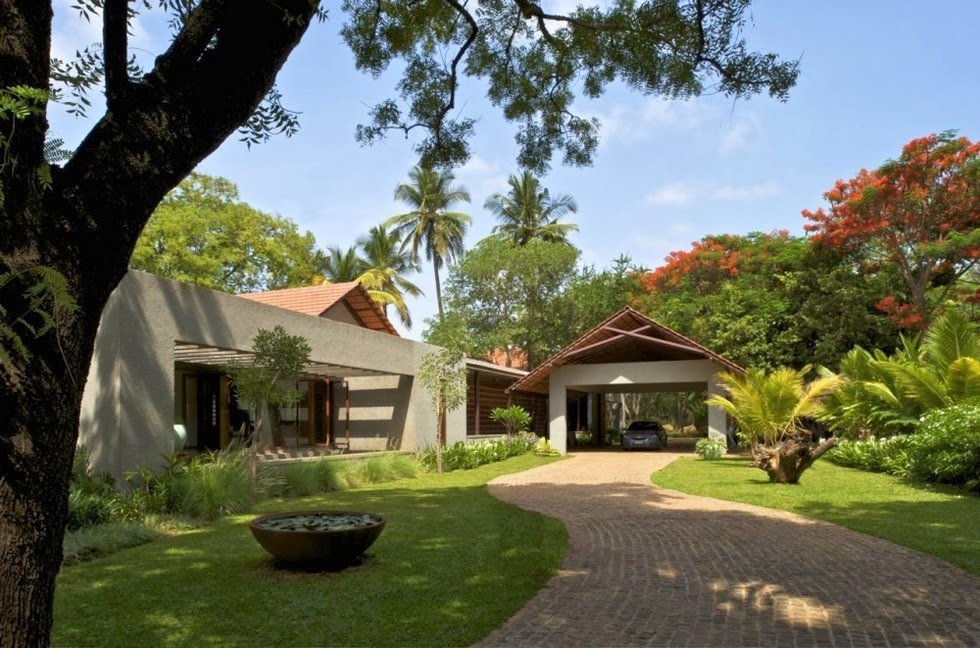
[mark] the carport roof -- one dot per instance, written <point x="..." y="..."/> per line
<point x="627" y="336"/>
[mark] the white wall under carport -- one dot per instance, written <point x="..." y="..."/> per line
<point x="674" y="375"/>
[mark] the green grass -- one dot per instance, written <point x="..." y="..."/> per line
<point x="452" y="564"/>
<point x="943" y="524"/>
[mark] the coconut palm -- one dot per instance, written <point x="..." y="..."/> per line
<point x="773" y="411"/>
<point x="337" y="265"/>
<point x="431" y="226"/>
<point x="386" y="264"/>
<point x="529" y="212"/>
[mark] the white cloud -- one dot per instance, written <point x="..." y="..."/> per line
<point x="746" y="192"/>
<point x="743" y="131"/>
<point x="627" y="123"/>
<point x="674" y="194"/>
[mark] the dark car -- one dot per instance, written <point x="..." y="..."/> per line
<point x="644" y="434"/>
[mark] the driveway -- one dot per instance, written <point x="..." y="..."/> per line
<point x="650" y="566"/>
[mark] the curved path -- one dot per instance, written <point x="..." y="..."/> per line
<point x="649" y="566"/>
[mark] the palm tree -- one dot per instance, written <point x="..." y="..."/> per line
<point x="386" y="263"/>
<point x="337" y="265"/>
<point x="773" y="411"/>
<point x="529" y="212"/>
<point x="430" y="226"/>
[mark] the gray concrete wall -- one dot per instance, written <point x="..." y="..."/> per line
<point x="128" y="405"/>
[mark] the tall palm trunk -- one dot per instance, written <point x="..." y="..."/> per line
<point x="435" y="268"/>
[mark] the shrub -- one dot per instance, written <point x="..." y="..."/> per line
<point x="215" y="485"/>
<point x="86" y="509"/>
<point x="91" y="498"/>
<point x="90" y="543"/>
<point x="887" y="454"/>
<point x="543" y="448"/>
<point x="515" y="418"/>
<point x="380" y="469"/>
<point x="946" y="447"/>
<point x="465" y="456"/>
<point x="710" y="449"/>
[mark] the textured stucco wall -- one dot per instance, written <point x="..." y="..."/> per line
<point x="128" y="405"/>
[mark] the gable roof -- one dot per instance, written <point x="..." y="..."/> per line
<point x="317" y="300"/>
<point x="627" y="336"/>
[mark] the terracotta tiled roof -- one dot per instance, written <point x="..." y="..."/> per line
<point x="627" y="336"/>
<point x="316" y="300"/>
<point x="518" y="359"/>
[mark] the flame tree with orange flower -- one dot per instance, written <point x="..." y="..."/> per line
<point x="919" y="213"/>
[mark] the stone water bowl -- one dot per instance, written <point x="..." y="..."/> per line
<point x="317" y="540"/>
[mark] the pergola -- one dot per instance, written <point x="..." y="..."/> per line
<point x="626" y="353"/>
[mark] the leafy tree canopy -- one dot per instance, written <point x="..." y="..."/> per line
<point x="203" y="234"/>
<point x="768" y="300"/>
<point x="512" y="297"/>
<point x="919" y="213"/>
<point x="594" y="294"/>
<point x="535" y="63"/>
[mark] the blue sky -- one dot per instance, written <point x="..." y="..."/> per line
<point x="874" y="74"/>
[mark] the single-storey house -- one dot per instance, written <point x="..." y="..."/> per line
<point x="162" y="344"/>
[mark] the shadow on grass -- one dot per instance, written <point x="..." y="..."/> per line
<point x="451" y="564"/>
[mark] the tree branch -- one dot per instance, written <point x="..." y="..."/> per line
<point x="453" y="75"/>
<point x="115" y="27"/>
<point x="187" y="47"/>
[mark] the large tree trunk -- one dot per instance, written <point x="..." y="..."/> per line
<point x="786" y="461"/>
<point x="84" y="226"/>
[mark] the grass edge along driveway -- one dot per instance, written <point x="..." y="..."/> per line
<point x="452" y="564"/>
<point x="941" y="523"/>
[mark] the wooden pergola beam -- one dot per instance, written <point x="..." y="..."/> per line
<point x="657" y="341"/>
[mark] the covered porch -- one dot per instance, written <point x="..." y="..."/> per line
<point x="627" y="353"/>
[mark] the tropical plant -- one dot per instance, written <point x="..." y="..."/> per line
<point x="709" y="449"/>
<point x="889" y="394"/>
<point x="337" y="265"/>
<point x="774" y="412"/>
<point x="431" y="227"/>
<point x="528" y="211"/>
<point x="386" y="264"/>
<point x="515" y="418"/>
<point x="444" y="375"/>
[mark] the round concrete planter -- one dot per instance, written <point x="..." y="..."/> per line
<point x="313" y="546"/>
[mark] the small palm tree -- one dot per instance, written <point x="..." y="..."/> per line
<point x="773" y="411"/>
<point x="386" y="264"/>
<point x="529" y="212"/>
<point x="431" y="226"/>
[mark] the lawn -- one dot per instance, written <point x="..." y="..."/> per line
<point x="452" y="564"/>
<point x="943" y="524"/>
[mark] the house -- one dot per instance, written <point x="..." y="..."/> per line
<point x="162" y="344"/>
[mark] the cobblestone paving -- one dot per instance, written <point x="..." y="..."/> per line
<point x="650" y="566"/>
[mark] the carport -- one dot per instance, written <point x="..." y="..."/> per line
<point x="626" y="353"/>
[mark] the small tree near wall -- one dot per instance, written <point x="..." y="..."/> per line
<point x="444" y="375"/>
<point x="277" y="357"/>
